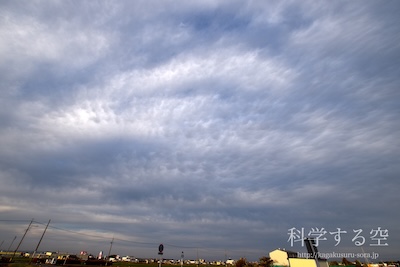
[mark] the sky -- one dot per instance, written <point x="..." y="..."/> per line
<point x="216" y="128"/>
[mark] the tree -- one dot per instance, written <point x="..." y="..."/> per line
<point x="241" y="262"/>
<point x="265" y="262"/>
<point x="346" y="262"/>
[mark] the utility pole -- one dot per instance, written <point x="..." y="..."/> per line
<point x="364" y="256"/>
<point x="34" y="252"/>
<point x="109" y="251"/>
<point x="197" y="257"/>
<point x="15" y="237"/>
<point x="26" y="231"/>
<point x="225" y="257"/>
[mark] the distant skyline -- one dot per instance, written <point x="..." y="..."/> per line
<point x="218" y="128"/>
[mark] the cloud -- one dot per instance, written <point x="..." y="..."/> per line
<point x="30" y="42"/>
<point x="211" y="127"/>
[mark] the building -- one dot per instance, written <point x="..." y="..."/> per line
<point x="230" y="262"/>
<point x="300" y="262"/>
<point x="281" y="256"/>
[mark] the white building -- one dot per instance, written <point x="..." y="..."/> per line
<point x="281" y="256"/>
<point x="289" y="258"/>
<point x="230" y="262"/>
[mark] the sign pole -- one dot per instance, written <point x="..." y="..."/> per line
<point x="182" y="259"/>
<point x="160" y="252"/>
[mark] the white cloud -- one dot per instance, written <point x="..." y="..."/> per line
<point x="29" y="42"/>
<point x="180" y="126"/>
<point x="142" y="102"/>
<point x="231" y="65"/>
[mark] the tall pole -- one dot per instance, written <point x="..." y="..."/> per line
<point x="160" y="252"/>
<point x="27" y="229"/>
<point x="12" y="242"/>
<point x="225" y="257"/>
<point x="34" y="252"/>
<point x="364" y="255"/>
<point x="197" y="257"/>
<point x="109" y="251"/>
<point x="182" y="259"/>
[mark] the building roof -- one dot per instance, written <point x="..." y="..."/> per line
<point x="284" y="250"/>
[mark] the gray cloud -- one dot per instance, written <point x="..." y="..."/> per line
<point x="213" y="127"/>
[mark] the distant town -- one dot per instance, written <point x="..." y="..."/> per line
<point x="277" y="258"/>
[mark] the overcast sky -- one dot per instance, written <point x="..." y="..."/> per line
<point x="212" y="127"/>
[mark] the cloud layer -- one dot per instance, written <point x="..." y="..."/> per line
<point x="211" y="126"/>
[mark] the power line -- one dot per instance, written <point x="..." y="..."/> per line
<point x="103" y="237"/>
<point x="14" y="220"/>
